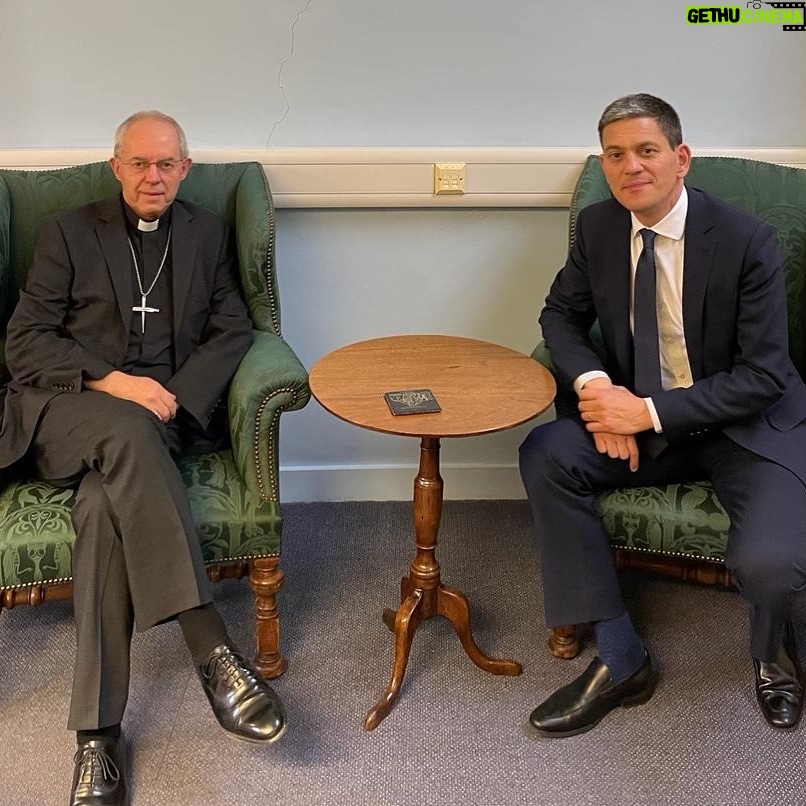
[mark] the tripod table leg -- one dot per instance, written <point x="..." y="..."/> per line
<point x="406" y="622"/>
<point x="452" y="604"/>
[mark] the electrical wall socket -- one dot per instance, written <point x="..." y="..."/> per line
<point x="449" y="178"/>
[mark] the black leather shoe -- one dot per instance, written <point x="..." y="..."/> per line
<point x="243" y="703"/>
<point x="99" y="773"/>
<point x="779" y="685"/>
<point x="583" y="703"/>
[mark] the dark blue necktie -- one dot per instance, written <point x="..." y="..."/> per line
<point x="645" y="321"/>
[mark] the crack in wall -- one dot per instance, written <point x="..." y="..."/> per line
<point x="283" y="63"/>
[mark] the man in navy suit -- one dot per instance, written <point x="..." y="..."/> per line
<point x="710" y="393"/>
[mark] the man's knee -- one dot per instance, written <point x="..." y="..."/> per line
<point x="136" y="438"/>
<point x="546" y="447"/>
<point x="135" y="423"/>
<point x="100" y="422"/>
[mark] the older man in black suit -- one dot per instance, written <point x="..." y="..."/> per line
<point x="127" y="333"/>
<point x="695" y="382"/>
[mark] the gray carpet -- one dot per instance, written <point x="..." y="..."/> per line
<point x="457" y="735"/>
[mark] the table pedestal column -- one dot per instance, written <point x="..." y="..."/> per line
<point x="422" y="593"/>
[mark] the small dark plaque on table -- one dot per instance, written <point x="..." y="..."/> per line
<point x="412" y="401"/>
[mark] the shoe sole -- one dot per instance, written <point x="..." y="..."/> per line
<point x="781" y="728"/>
<point x="633" y="700"/>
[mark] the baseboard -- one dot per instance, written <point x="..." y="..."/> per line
<point x="396" y="482"/>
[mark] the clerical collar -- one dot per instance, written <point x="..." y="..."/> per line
<point x="137" y="224"/>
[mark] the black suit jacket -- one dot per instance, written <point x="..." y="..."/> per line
<point x="734" y="319"/>
<point x="72" y="320"/>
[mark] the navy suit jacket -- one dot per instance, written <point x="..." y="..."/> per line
<point x="734" y="319"/>
<point x="72" y="321"/>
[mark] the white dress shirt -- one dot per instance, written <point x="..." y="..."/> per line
<point x="669" y="245"/>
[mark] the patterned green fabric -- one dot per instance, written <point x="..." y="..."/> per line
<point x="37" y="537"/>
<point x="236" y="191"/>
<point x="269" y="381"/>
<point x="232" y="522"/>
<point x="687" y="519"/>
<point x="682" y="519"/>
<point x="234" y="494"/>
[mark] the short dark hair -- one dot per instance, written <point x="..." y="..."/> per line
<point x="642" y="105"/>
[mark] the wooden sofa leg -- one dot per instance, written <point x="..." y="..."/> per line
<point x="564" y="642"/>
<point x="266" y="579"/>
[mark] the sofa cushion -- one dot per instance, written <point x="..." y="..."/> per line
<point x="36" y="533"/>
<point x="678" y="519"/>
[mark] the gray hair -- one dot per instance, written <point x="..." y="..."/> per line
<point x="150" y="114"/>
<point x="642" y="105"/>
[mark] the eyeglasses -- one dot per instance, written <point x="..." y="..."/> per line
<point x="165" y="167"/>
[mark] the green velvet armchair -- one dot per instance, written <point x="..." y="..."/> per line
<point x="234" y="494"/>
<point x="681" y="529"/>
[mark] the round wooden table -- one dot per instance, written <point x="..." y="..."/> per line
<point x="481" y="388"/>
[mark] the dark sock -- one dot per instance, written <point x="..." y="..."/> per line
<point x="109" y="732"/>
<point x="619" y="646"/>
<point x="204" y="630"/>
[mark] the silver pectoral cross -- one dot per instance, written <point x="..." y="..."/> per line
<point x="143" y="309"/>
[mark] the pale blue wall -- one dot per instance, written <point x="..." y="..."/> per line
<point x="388" y="72"/>
<point x="351" y="275"/>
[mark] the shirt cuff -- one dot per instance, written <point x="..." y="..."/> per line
<point x="654" y="415"/>
<point x="588" y="376"/>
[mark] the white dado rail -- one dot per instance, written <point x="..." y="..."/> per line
<point x="402" y="177"/>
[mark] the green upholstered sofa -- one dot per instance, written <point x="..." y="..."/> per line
<point x="681" y="529"/>
<point x="234" y="493"/>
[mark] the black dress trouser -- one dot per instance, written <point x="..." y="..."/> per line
<point x="563" y="473"/>
<point x="137" y="557"/>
